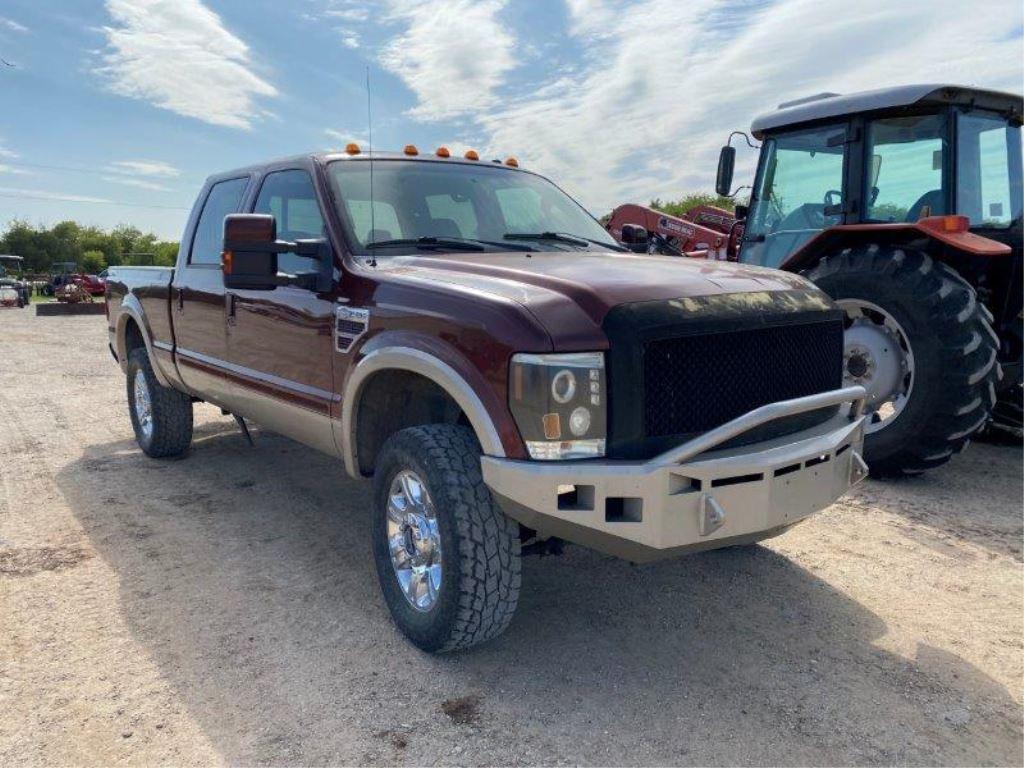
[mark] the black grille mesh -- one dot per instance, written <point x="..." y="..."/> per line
<point x="696" y="383"/>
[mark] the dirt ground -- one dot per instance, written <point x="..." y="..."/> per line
<point x="223" y="609"/>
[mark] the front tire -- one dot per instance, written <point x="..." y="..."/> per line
<point x="921" y="343"/>
<point x="161" y="416"/>
<point x="448" y="559"/>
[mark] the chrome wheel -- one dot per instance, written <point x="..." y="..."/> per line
<point x="414" y="540"/>
<point x="143" y="405"/>
<point x="877" y="355"/>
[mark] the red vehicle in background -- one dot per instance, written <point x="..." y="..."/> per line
<point x="65" y="273"/>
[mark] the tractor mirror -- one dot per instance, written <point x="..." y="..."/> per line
<point x="726" y="163"/>
<point x="634" y="237"/>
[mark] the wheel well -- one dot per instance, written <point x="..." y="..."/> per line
<point x="392" y="400"/>
<point x="132" y="337"/>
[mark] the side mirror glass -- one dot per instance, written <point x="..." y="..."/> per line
<point x="726" y="163"/>
<point x="634" y="237"/>
<point x="249" y="259"/>
<point x="251" y="247"/>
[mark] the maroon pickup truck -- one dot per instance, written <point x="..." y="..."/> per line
<point x="467" y="335"/>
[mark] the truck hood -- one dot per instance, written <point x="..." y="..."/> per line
<point x="570" y="293"/>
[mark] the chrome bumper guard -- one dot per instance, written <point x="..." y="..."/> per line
<point x="692" y="497"/>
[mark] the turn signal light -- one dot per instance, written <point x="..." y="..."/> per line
<point x="227" y="261"/>
<point x="471" y="155"/>
<point x="443" y="152"/>
<point x="511" y="161"/>
<point x="352" y="149"/>
<point x="411" y="150"/>
<point x="951" y="224"/>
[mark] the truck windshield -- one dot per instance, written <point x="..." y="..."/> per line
<point x="989" y="175"/>
<point x="421" y="204"/>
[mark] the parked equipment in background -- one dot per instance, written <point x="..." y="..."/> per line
<point x="14" y="291"/>
<point x="904" y="205"/>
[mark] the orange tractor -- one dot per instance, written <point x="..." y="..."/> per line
<point x="905" y="206"/>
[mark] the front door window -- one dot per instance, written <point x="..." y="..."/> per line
<point x="907" y="160"/>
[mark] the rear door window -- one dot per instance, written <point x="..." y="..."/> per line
<point x="225" y="198"/>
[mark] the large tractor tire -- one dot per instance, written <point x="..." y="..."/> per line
<point x="922" y="345"/>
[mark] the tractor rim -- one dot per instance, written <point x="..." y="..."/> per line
<point x="877" y="356"/>
<point x="143" y="405"/>
<point x="414" y="540"/>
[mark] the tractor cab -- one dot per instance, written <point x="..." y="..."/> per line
<point x="883" y="157"/>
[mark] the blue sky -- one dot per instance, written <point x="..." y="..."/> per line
<point x="115" y="111"/>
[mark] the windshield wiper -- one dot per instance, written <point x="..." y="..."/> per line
<point x="562" y="237"/>
<point x="429" y="243"/>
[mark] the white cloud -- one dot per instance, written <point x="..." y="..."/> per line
<point x="342" y="137"/>
<point x="348" y="10"/>
<point x="349" y="38"/>
<point x="12" y="171"/>
<point x="40" y="194"/>
<point x="645" y="113"/>
<point x="12" y="25"/>
<point x="140" y="183"/>
<point x="178" y="55"/>
<point x="146" y="168"/>
<point x="452" y="54"/>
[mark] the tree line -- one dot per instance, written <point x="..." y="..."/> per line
<point x="92" y="249"/>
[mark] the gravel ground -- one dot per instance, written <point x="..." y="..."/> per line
<point x="223" y="609"/>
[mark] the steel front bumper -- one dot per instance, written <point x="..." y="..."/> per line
<point x="692" y="497"/>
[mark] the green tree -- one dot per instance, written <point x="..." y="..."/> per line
<point x="93" y="262"/>
<point x="688" y="202"/>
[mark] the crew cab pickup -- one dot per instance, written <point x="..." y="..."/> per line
<point x="467" y="335"/>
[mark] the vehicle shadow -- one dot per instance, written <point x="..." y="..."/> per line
<point x="245" y="574"/>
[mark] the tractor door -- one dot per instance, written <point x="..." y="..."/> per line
<point x="797" y="193"/>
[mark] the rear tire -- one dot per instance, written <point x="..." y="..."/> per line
<point x="161" y="416"/>
<point x="954" y="368"/>
<point x="475" y="547"/>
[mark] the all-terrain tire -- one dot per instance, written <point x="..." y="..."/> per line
<point x="953" y="343"/>
<point x="480" y="546"/>
<point x="171" y="412"/>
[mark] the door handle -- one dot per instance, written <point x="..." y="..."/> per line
<point x="229" y="301"/>
<point x="181" y="299"/>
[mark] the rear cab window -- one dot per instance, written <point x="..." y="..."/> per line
<point x="224" y="198"/>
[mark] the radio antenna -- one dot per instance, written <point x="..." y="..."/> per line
<point x="369" y="144"/>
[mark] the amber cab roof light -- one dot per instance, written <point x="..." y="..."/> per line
<point x="410" y="149"/>
<point x="443" y="152"/>
<point x="511" y="162"/>
<point x="352" y="149"/>
<point x="471" y="154"/>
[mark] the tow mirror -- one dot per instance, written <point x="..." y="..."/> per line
<point x="251" y="247"/>
<point x="726" y="163"/>
<point x="741" y="211"/>
<point x="634" y="237"/>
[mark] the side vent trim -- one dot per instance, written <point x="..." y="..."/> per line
<point x="349" y="325"/>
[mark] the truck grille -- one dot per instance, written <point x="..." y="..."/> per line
<point x="695" y="383"/>
<point x="679" y="368"/>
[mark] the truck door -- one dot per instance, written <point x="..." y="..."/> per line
<point x="197" y="296"/>
<point x="280" y="342"/>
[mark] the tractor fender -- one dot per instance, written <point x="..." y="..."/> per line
<point x="937" y="235"/>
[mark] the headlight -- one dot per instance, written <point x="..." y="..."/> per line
<point x="558" y="402"/>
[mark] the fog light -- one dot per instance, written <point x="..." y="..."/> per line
<point x="579" y="421"/>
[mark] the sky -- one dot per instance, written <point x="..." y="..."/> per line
<point x="114" y="112"/>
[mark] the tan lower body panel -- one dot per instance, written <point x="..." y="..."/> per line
<point x="650" y="510"/>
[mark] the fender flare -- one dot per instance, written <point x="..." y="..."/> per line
<point x="429" y="366"/>
<point x="131" y="309"/>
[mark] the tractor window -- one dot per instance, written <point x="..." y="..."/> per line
<point x="907" y="159"/>
<point x="988" y="164"/>
<point x="797" y="194"/>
